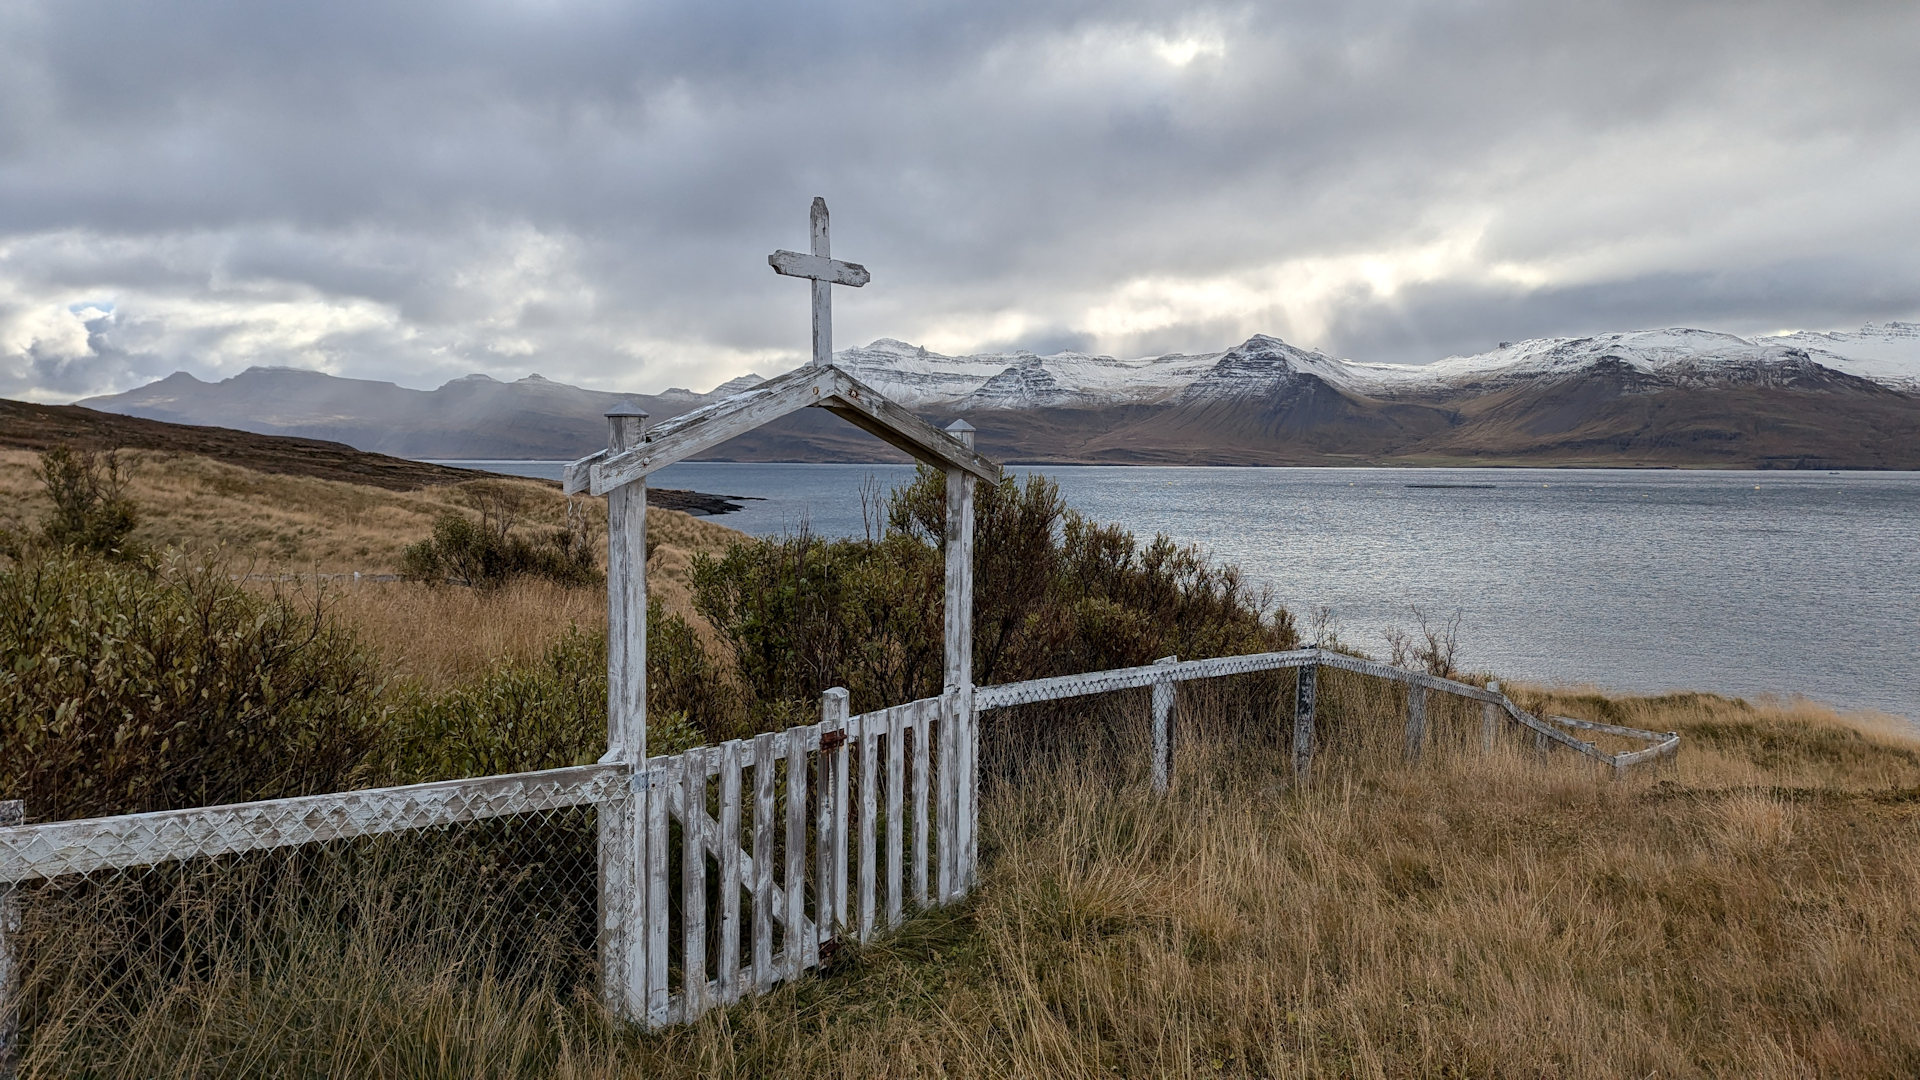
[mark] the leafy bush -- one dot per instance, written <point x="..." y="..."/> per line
<point x="128" y="689"/>
<point x="488" y="553"/>
<point x="552" y="712"/>
<point x="1053" y="594"/>
<point x="91" y="511"/>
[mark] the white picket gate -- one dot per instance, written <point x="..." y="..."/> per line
<point x="794" y="841"/>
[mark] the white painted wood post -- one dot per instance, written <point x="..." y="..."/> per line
<point x="763" y="790"/>
<point x="923" y="720"/>
<point x="821" y="245"/>
<point x="1303" y="699"/>
<point x="623" y="829"/>
<point x="1163" y="728"/>
<point x="964" y="739"/>
<point x="867" y="878"/>
<point x="1416" y="721"/>
<point x="830" y="813"/>
<point x="1490" y="720"/>
<point x="728" y="961"/>
<point x="12" y="812"/>
<point x="660" y="792"/>
<point x="896" y="828"/>
<point x="833" y="717"/>
<point x="693" y="883"/>
<point x="798" y="948"/>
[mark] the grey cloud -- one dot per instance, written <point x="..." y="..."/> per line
<point x="590" y="189"/>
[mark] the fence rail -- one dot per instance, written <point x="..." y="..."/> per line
<point x="787" y="843"/>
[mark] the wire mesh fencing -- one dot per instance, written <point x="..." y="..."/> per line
<point x="121" y="929"/>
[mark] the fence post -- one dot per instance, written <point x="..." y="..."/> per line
<point x="962" y="775"/>
<point x="1303" y="695"/>
<point x="1163" y="728"/>
<point x="1489" y="720"/>
<point x="1416" y="720"/>
<point x="623" y="824"/>
<point x="12" y="812"/>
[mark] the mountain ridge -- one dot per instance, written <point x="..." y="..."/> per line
<point x="1666" y="397"/>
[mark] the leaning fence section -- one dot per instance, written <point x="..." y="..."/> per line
<point x="753" y="860"/>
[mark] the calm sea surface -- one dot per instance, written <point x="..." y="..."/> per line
<point x="1739" y="582"/>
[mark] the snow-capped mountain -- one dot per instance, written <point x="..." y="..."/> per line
<point x="1887" y="354"/>
<point x="1667" y="397"/>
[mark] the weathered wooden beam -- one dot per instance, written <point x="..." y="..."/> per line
<point x="623" y="835"/>
<point x="57" y="848"/>
<point x="879" y="416"/>
<point x="683" y="436"/>
<point x="691" y="433"/>
<point x="958" y="656"/>
<point x="1085" y="684"/>
<point x="1612" y="729"/>
<point x="819" y="268"/>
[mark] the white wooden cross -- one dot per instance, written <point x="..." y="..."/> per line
<point x="826" y="272"/>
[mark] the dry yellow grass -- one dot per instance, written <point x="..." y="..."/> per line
<point x="271" y="524"/>
<point x="1468" y="916"/>
<point x="276" y="523"/>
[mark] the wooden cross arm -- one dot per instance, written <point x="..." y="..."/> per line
<point x="702" y="429"/>
<point x="819" y="268"/>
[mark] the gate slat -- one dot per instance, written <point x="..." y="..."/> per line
<point x="796" y="938"/>
<point x="896" y="833"/>
<point x="943" y="814"/>
<point x="729" y="840"/>
<point x="763" y="760"/>
<point x="922" y="716"/>
<point x="870" y="726"/>
<point x="661" y="773"/>
<point x="824" y="816"/>
<point x="693" y="883"/>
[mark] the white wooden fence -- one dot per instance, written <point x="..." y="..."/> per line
<point x="787" y="844"/>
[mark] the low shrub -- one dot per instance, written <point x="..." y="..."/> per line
<point x="91" y="511"/>
<point x="132" y="688"/>
<point x="1053" y="593"/>
<point x="488" y="553"/>
<point x="552" y="712"/>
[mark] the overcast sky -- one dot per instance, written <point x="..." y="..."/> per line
<point x="589" y="190"/>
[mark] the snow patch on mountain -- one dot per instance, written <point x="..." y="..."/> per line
<point x="1887" y="353"/>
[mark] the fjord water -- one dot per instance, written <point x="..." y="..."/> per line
<point x="1742" y="583"/>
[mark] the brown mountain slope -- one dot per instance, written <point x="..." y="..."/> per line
<point x="1615" y="415"/>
